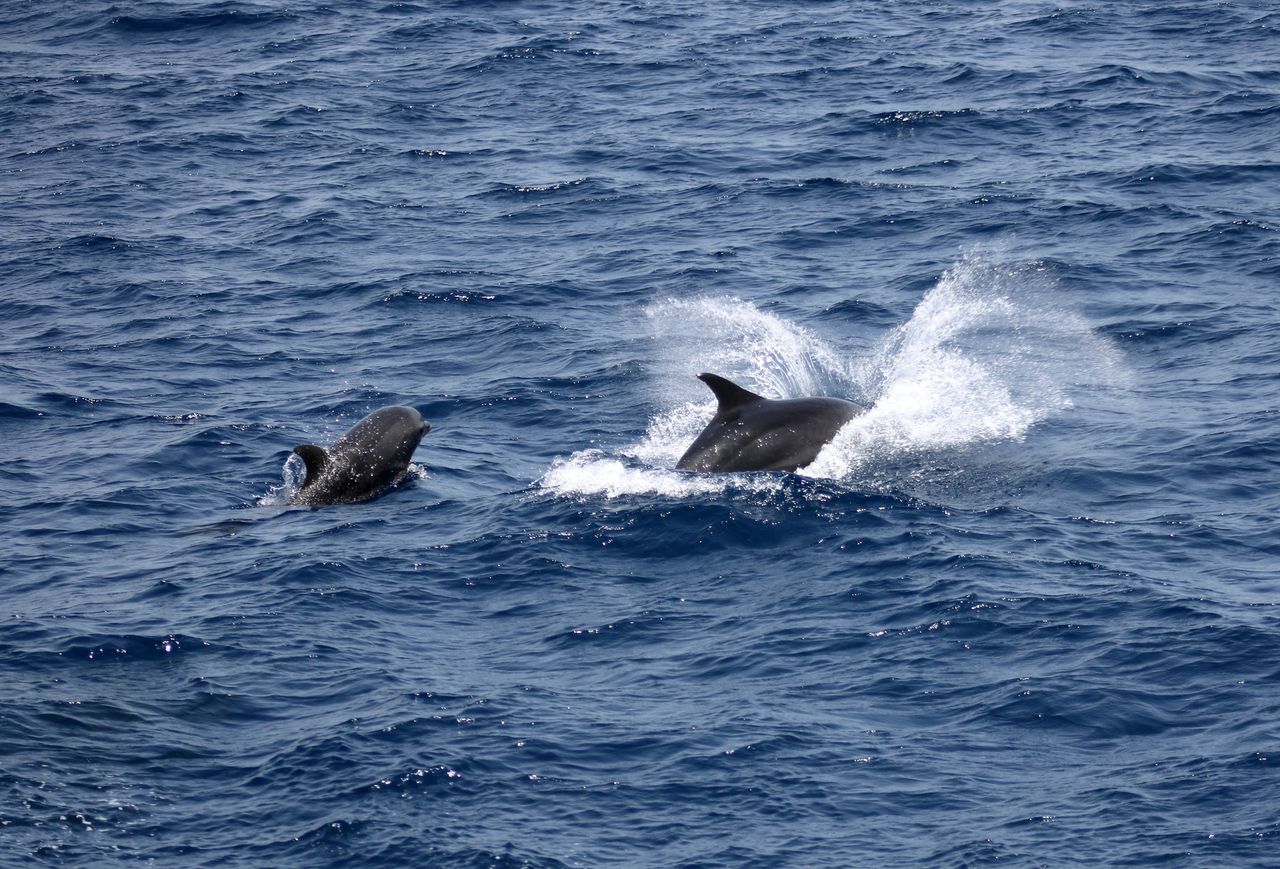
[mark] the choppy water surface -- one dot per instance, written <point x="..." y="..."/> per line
<point x="1023" y="609"/>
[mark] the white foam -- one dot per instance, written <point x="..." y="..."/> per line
<point x="591" y="472"/>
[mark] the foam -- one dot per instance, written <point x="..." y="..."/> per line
<point x="592" y="472"/>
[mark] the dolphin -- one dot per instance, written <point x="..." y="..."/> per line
<point x="372" y="456"/>
<point x="752" y="433"/>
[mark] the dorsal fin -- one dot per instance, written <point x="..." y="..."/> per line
<point x="730" y="395"/>
<point x="316" y="460"/>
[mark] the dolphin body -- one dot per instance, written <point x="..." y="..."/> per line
<point x="372" y="456"/>
<point x="752" y="433"/>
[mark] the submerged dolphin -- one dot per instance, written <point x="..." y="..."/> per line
<point x="753" y="433"/>
<point x="375" y="454"/>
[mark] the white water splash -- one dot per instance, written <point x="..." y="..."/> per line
<point x="985" y="356"/>
<point x="775" y="357"/>
<point x="292" y="473"/>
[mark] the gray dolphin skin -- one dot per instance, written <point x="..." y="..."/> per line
<point x="752" y="433"/>
<point x="374" y="455"/>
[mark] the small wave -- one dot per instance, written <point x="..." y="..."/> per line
<point x="573" y="189"/>
<point x="442" y="296"/>
<point x="122" y="647"/>
<point x="210" y="17"/>
<point x="922" y="118"/>
<point x="13" y="410"/>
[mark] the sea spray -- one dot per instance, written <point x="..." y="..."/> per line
<point x="986" y="355"/>
<point x="729" y="336"/>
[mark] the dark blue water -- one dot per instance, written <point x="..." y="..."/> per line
<point x="1024" y="610"/>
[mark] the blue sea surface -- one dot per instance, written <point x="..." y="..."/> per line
<point x="1024" y="610"/>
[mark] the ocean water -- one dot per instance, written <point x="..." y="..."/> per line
<point x="1024" y="610"/>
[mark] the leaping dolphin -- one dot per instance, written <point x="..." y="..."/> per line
<point x="372" y="456"/>
<point x="752" y="433"/>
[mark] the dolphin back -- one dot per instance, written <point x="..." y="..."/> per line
<point x="372" y="456"/>
<point x="753" y="433"/>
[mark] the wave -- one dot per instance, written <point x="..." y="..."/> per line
<point x="986" y="355"/>
<point x="216" y="16"/>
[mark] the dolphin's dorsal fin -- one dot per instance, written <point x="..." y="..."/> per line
<point x="316" y="460"/>
<point x="730" y="395"/>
